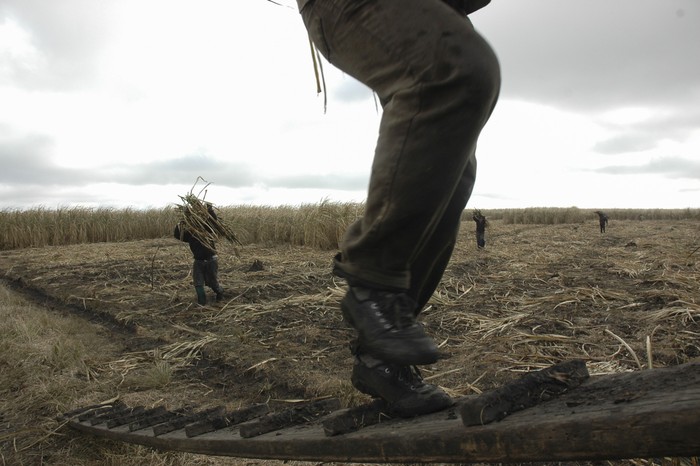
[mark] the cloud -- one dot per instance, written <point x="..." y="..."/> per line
<point x="61" y="40"/>
<point x="26" y="161"/>
<point x="342" y="182"/>
<point x="589" y="56"/>
<point x="636" y="141"/>
<point x="669" y="167"/>
<point x="183" y="170"/>
<point x="654" y="126"/>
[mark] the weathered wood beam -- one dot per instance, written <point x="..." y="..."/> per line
<point x="643" y="414"/>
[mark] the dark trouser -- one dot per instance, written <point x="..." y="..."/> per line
<point x="438" y="82"/>
<point x="206" y="272"/>
<point x="480" y="239"/>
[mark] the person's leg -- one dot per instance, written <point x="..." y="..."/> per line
<point x="429" y="266"/>
<point x="402" y="385"/>
<point x="198" y="281"/>
<point x="437" y="80"/>
<point x="211" y="277"/>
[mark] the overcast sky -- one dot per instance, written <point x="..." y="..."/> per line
<point x="118" y="103"/>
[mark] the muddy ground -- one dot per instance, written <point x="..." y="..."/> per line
<point x="536" y="295"/>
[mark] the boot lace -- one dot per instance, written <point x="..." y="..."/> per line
<point x="410" y="376"/>
<point x="396" y="308"/>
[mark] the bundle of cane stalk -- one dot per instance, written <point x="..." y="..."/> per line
<point x="201" y="222"/>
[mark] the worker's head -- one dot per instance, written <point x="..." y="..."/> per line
<point x="210" y="210"/>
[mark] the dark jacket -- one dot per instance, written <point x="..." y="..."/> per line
<point x="199" y="251"/>
<point x="480" y="223"/>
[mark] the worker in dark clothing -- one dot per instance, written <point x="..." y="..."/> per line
<point x="481" y="223"/>
<point x="603" y="219"/>
<point x="205" y="269"/>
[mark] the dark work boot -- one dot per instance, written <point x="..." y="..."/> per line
<point x="402" y="387"/>
<point x="219" y="295"/>
<point x="386" y="326"/>
<point x="201" y="295"/>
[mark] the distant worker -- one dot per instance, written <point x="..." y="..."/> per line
<point x="481" y="224"/>
<point x="603" y="219"/>
<point x="205" y="269"/>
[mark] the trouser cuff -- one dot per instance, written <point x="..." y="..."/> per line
<point x="357" y="275"/>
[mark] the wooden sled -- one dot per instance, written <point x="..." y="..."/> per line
<point x="558" y="414"/>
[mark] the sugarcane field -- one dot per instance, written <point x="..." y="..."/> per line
<point x="102" y="308"/>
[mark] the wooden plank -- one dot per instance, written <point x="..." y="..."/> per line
<point x="229" y="419"/>
<point x="187" y="418"/>
<point x="136" y="414"/>
<point x="652" y="413"/>
<point x="99" y="411"/>
<point x="115" y="413"/>
<point x="529" y="390"/>
<point x="91" y="410"/>
<point x="156" y="419"/>
<point x="288" y="417"/>
<point x="352" y="419"/>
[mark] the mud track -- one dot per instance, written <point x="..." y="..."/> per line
<point x="208" y="369"/>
